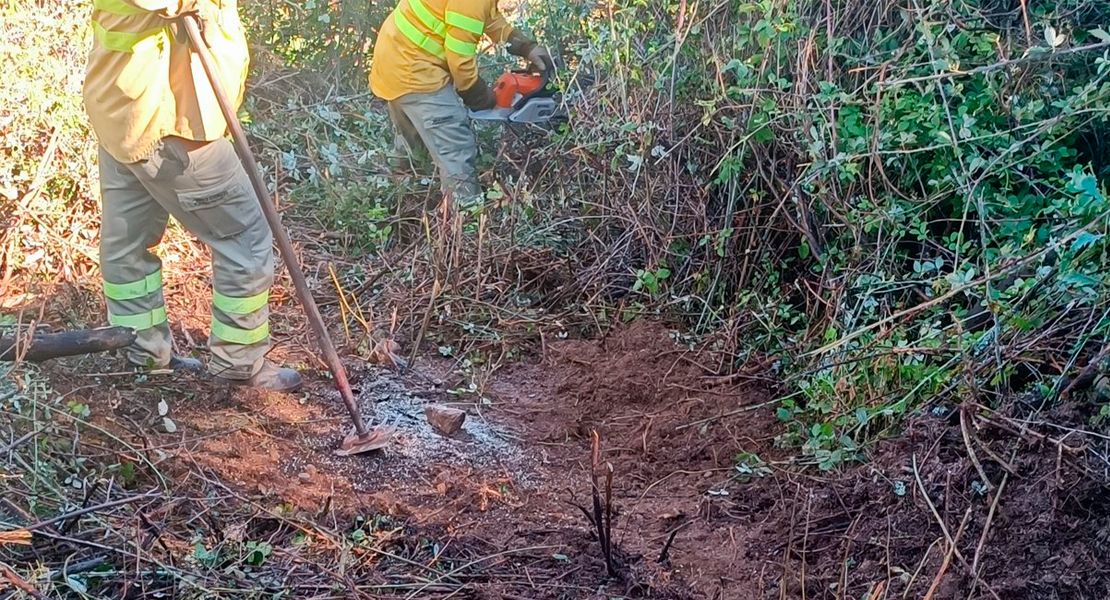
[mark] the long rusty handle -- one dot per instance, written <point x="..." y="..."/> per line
<point x="300" y="285"/>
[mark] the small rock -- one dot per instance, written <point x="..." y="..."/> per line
<point x="305" y="477"/>
<point x="445" y="420"/>
<point x="311" y="470"/>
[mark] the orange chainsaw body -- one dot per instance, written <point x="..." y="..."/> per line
<point x="511" y="87"/>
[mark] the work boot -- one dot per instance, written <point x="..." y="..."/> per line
<point x="270" y="377"/>
<point x="177" y="364"/>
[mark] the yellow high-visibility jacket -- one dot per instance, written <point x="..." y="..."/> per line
<point x="142" y="85"/>
<point x="426" y="44"/>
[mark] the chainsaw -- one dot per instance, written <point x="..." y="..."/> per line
<point x="522" y="97"/>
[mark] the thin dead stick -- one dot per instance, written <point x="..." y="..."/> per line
<point x="920" y="565"/>
<point x="342" y="302"/>
<point x="1025" y="18"/>
<point x="936" y="514"/>
<point x="998" y="459"/>
<point x="970" y="450"/>
<point x="20" y="441"/>
<point x="92" y="509"/>
<point x="427" y="321"/>
<point x="1020" y="429"/>
<point x="987" y="525"/>
<point x="478" y="266"/>
<point x="947" y="557"/>
<point x="11" y="577"/>
<point x="947" y="536"/>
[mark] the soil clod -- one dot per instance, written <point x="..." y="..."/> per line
<point x="444" y="419"/>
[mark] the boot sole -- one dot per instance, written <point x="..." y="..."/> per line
<point x="242" y="383"/>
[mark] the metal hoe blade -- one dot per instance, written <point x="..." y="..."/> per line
<point x="354" y="443"/>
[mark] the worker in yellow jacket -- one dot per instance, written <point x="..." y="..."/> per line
<point x="423" y="48"/>
<point x="163" y="153"/>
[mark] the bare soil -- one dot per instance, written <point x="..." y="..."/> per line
<point x="688" y="523"/>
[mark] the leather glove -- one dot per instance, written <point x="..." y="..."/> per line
<point x="478" y="96"/>
<point x="520" y="45"/>
<point x="541" y="58"/>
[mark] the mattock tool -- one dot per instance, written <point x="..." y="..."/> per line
<point x="362" y="439"/>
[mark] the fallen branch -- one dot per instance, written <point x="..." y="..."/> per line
<point x="45" y="346"/>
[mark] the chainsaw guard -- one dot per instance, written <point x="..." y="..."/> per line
<point x="535" y="110"/>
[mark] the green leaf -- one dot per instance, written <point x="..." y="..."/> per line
<point x="1100" y="34"/>
<point x="1089" y="185"/>
<point x="77" y="585"/>
<point x="204" y="555"/>
<point x="258" y="552"/>
<point x="1085" y="240"/>
<point x="163" y="408"/>
<point x="170" y="426"/>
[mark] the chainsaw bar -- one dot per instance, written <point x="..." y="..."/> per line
<point x="492" y="114"/>
<point x="534" y="110"/>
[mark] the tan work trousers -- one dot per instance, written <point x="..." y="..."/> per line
<point x="204" y="187"/>
<point x="437" y="124"/>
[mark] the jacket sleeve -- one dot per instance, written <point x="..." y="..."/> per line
<point x="498" y="29"/>
<point x="466" y="22"/>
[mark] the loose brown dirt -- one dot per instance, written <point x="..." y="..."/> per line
<point x="688" y="522"/>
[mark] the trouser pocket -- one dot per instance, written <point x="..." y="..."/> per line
<point x="223" y="210"/>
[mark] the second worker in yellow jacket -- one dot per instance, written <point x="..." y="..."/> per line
<point x="425" y="66"/>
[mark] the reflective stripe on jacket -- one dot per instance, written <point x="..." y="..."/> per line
<point x="426" y="44"/>
<point x="141" y="85"/>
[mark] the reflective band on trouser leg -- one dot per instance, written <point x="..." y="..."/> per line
<point x="135" y="289"/>
<point x="118" y="7"/>
<point x="415" y="36"/>
<point x="139" y="322"/>
<point x="234" y="335"/>
<point x="126" y="42"/>
<point x="460" y="47"/>
<point x="240" y="306"/>
<point x="427" y="18"/>
<point x="468" y="24"/>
